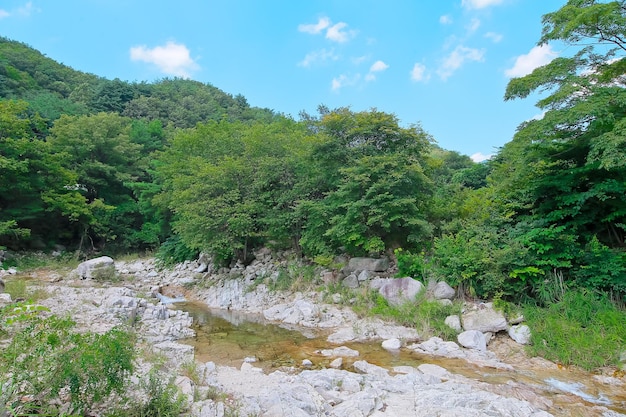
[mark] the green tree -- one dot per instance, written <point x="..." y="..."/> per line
<point x="565" y="175"/>
<point x="32" y="175"/>
<point x="99" y="150"/>
<point x="371" y="192"/>
<point x="232" y="186"/>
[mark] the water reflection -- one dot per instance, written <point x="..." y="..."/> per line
<point x="228" y="337"/>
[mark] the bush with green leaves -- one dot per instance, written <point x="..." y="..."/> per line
<point x="46" y="356"/>
<point x="174" y="251"/>
<point x="583" y="328"/>
<point x="427" y="316"/>
<point x="163" y="399"/>
<point x="410" y="265"/>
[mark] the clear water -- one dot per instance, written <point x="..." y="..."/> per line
<point x="228" y="337"/>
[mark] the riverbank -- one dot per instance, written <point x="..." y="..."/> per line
<point x="362" y="388"/>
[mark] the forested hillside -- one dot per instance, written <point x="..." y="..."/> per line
<point x="182" y="167"/>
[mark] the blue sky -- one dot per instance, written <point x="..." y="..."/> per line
<point x="443" y="64"/>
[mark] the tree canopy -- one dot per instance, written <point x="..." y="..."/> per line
<point x="108" y="165"/>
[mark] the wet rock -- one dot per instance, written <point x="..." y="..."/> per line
<point x="341" y="351"/>
<point x="392" y="344"/>
<point x="438" y="347"/>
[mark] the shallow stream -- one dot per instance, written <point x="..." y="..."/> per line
<point x="229" y="337"/>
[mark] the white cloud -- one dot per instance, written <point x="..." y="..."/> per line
<point x="27" y="9"/>
<point x="480" y="157"/>
<point x="457" y="58"/>
<point x="445" y="19"/>
<point x="315" y="28"/>
<point x="538" y="116"/>
<point x="320" y="56"/>
<point x="473" y="25"/>
<point x="495" y="37"/>
<point x="418" y="73"/>
<point x="335" y="33"/>
<point x="525" y="64"/>
<point x="479" y="4"/>
<point x="377" y="66"/>
<point x="24" y="11"/>
<point x="344" y="81"/>
<point x="358" y="60"/>
<point x="171" y="59"/>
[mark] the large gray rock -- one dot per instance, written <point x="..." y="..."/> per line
<point x="398" y="291"/>
<point x="97" y="268"/>
<point x="520" y="333"/>
<point x="443" y="291"/>
<point x="485" y="320"/>
<point x="351" y="281"/>
<point x="301" y="312"/>
<point x="5" y="299"/>
<point x="438" y="347"/>
<point x="341" y="351"/>
<point x="454" y="322"/>
<point x="364" y="367"/>
<point x="472" y="339"/>
<point x="367" y="264"/>
<point x="392" y="344"/>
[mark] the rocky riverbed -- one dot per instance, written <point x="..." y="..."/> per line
<point x="361" y="388"/>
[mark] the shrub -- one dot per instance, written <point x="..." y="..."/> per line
<point x="46" y="356"/>
<point x="426" y="316"/>
<point x="163" y="399"/>
<point x="410" y="265"/>
<point x="174" y="251"/>
<point x="583" y="329"/>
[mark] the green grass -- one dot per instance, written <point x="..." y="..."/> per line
<point x="20" y="288"/>
<point x="31" y="261"/>
<point x="583" y="329"/>
<point x="295" y="277"/>
<point x="426" y="316"/>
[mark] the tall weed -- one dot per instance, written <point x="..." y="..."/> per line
<point x="426" y="316"/>
<point x="583" y="329"/>
<point x="46" y="356"/>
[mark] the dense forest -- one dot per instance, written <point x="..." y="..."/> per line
<point x="181" y="167"/>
